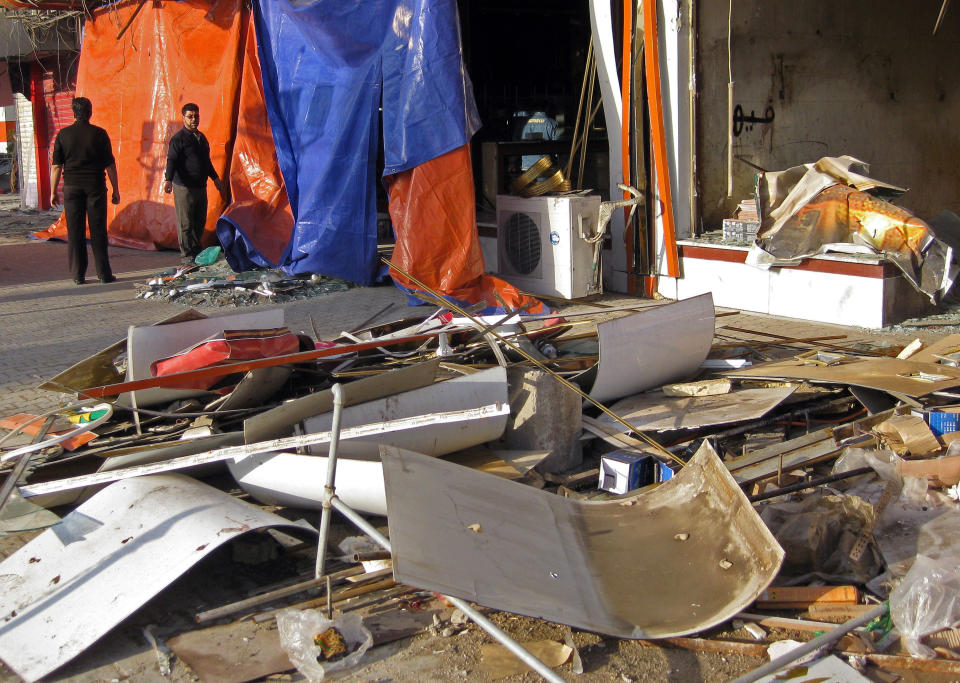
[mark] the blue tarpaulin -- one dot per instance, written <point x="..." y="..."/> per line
<point x="326" y="66"/>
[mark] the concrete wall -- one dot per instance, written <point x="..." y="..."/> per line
<point x="858" y="77"/>
<point x="25" y="31"/>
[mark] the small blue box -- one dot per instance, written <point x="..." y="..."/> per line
<point x="622" y="471"/>
<point x="942" y="422"/>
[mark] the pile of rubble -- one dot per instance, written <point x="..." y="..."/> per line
<point x="217" y="285"/>
<point x="568" y="467"/>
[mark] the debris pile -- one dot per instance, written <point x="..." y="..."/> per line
<point x="567" y="466"/>
<point x="216" y="285"/>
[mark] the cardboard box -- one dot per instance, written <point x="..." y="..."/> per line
<point x="623" y="471"/>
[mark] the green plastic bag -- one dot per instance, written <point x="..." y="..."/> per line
<point x="208" y="256"/>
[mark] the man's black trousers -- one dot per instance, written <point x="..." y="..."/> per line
<point x="80" y="205"/>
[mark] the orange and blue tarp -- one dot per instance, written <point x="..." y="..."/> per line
<point x="292" y="99"/>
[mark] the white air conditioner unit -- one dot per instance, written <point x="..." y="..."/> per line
<point x="540" y="248"/>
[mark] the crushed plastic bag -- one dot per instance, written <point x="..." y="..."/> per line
<point x="298" y="630"/>
<point x="818" y="532"/>
<point x="898" y="529"/>
<point x="883" y="462"/>
<point x="928" y="598"/>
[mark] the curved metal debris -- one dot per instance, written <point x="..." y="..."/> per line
<point x="672" y="561"/>
<point x="78" y="579"/>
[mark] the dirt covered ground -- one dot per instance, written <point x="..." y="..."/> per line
<point x="16" y="224"/>
<point x="449" y="651"/>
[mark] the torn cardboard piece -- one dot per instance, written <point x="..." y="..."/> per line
<point x="907" y="377"/>
<point x="908" y="434"/>
<point x="654" y="411"/>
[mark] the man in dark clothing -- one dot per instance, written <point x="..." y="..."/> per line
<point x="82" y="153"/>
<point x="188" y="167"/>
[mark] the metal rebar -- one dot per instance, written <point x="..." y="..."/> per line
<point x="565" y="382"/>
<point x="812" y="483"/>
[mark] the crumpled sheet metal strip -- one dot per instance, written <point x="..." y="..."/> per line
<point x="672" y="561"/>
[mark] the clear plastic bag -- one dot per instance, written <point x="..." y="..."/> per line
<point x="928" y="598"/>
<point x="298" y="629"/>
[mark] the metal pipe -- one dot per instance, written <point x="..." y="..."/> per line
<point x="812" y="483"/>
<point x="812" y="646"/>
<point x="492" y="629"/>
<point x="361" y="523"/>
<point x="329" y="489"/>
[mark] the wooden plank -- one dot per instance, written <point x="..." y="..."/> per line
<point x="801" y="597"/>
<point x="835" y="435"/>
<point x="776" y="450"/>
<point x="836" y="613"/>
<point x="731" y="647"/>
<point x="801" y="458"/>
<point x="788" y="624"/>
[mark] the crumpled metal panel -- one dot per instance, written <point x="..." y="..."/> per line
<point x="83" y="576"/>
<point x="672" y="561"/>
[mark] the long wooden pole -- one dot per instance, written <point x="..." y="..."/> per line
<point x="176" y="378"/>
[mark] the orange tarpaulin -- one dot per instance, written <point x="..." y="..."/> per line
<point x="260" y="208"/>
<point x="435" y="222"/>
<point x="172" y="53"/>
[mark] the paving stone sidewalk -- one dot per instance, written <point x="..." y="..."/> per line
<point x="48" y="323"/>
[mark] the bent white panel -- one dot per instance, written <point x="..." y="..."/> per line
<point x="655" y="346"/>
<point x="462" y="393"/>
<point x="297" y="480"/>
<point x="80" y="578"/>
<point x="682" y="557"/>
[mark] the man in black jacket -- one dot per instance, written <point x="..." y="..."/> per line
<point x="188" y="167"/>
<point x="82" y="153"/>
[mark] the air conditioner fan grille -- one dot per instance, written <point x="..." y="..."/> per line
<point x="521" y="243"/>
